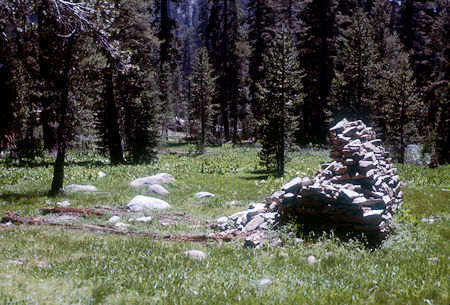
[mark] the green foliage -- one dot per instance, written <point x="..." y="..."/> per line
<point x="166" y="101"/>
<point x="425" y="177"/>
<point x="353" y="85"/>
<point x="374" y="80"/>
<point x="203" y="92"/>
<point x="279" y="94"/>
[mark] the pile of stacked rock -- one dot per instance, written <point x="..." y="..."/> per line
<point x="358" y="191"/>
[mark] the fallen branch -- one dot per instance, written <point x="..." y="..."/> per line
<point x="90" y="211"/>
<point x="15" y="218"/>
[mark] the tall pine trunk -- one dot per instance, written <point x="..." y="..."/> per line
<point x="112" y="124"/>
<point x="46" y="64"/>
<point x="58" y="172"/>
<point x="226" y="69"/>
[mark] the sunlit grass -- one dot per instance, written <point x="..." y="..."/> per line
<point x="42" y="265"/>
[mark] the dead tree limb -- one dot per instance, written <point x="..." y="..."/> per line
<point x="15" y="218"/>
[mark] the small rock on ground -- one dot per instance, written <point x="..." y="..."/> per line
<point x="140" y="203"/>
<point x="122" y="225"/>
<point x="14" y="262"/>
<point x="201" y="195"/>
<point x="155" y="179"/>
<point x="222" y="219"/>
<point x="101" y="174"/>
<point x="313" y="260"/>
<point x="195" y="254"/>
<point x="254" y="241"/>
<point x="81" y="188"/>
<point x="157" y="189"/>
<point x="265" y="282"/>
<point x="144" y="219"/>
<point x="114" y="219"/>
<point x="63" y="203"/>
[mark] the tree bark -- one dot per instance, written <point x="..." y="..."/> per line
<point x="112" y="124"/>
<point x="58" y="172"/>
<point x="47" y="62"/>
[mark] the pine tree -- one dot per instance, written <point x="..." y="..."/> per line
<point x="279" y="93"/>
<point x="7" y="87"/>
<point x="259" y="33"/>
<point x="354" y="82"/>
<point x="403" y="109"/>
<point x="135" y="85"/>
<point x="226" y="43"/>
<point x="438" y="87"/>
<point x="166" y="104"/>
<point x="317" y="52"/>
<point x="203" y="93"/>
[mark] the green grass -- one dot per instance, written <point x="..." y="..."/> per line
<point x="76" y="267"/>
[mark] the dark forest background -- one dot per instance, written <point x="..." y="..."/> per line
<point x="118" y="75"/>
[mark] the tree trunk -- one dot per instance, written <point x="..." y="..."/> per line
<point x="58" y="172"/>
<point x="47" y="63"/>
<point x="402" y="140"/>
<point x="112" y="124"/>
<point x="8" y="96"/>
<point x="235" y="121"/>
<point x="226" y="71"/>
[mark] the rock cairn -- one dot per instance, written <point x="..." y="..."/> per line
<point x="358" y="191"/>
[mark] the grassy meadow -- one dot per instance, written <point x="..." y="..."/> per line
<point x="45" y="265"/>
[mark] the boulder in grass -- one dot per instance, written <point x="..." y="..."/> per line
<point x="142" y="203"/>
<point x="114" y="219"/>
<point x="63" y="204"/>
<point x="201" y="195"/>
<point x="157" y="189"/>
<point x="195" y="254"/>
<point x="144" y="219"/>
<point x="265" y="282"/>
<point x="81" y="188"/>
<point x="155" y="179"/>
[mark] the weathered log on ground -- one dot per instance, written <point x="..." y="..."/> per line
<point x="16" y="219"/>
<point x="88" y="211"/>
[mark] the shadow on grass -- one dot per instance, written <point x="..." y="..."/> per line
<point x="311" y="229"/>
<point x="259" y="174"/>
<point x="15" y="196"/>
<point x="45" y="163"/>
<point x="181" y="143"/>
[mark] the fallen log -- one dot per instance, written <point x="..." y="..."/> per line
<point x="83" y="211"/>
<point x="15" y="218"/>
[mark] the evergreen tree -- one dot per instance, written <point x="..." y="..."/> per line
<point x="167" y="25"/>
<point x="403" y="109"/>
<point x="108" y="116"/>
<point x="317" y="52"/>
<point x="137" y="83"/>
<point x="354" y="83"/>
<point x="438" y="87"/>
<point x="203" y="92"/>
<point x="166" y="103"/>
<point x="279" y="93"/>
<point x="259" y="34"/>
<point x="7" y="87"/>
<point x="226" y="42"/>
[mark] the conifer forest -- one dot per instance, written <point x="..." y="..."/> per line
<point x="118" y="75"/>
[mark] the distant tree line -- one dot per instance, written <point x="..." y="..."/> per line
<point x="117" y="73"/>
